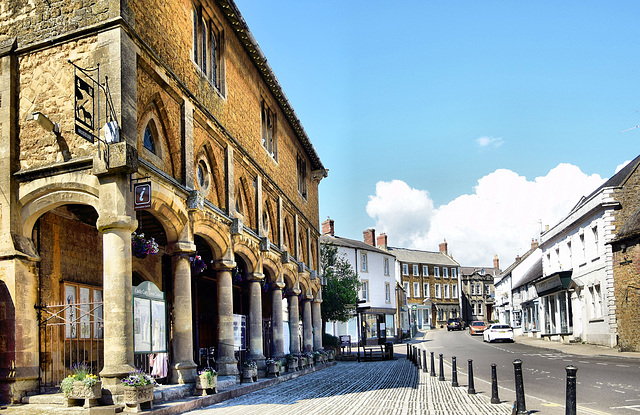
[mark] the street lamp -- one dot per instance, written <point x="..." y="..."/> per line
<point x="46" y="123"/>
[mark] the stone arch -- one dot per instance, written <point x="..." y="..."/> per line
<point x="248" y="255"/>
<point x="289" y="277"/>
<point x="215" y="194"/>
<point x="72" y="188"/>
<point x="274" y="270"/>
<point x="170" y="211"/>
<point x="217" y="239"/>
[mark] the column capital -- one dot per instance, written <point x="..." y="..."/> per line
<point x="225" y="265"/>
<point x="317" y="301"/>
<point x="181" y="248"/>
<point x="307" y="297"/>
<point x="293" y="292"/>
<point x="255" y="276"/>
<point x="108" y="222"/>
<point x="279" y="285"/>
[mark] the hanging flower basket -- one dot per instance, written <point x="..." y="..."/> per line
<point x="197" y="264"/>
<point x="141" y="246"/>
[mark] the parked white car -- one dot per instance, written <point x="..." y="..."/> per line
<point x="498" y="332"/>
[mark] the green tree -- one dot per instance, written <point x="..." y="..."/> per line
<point x="340" y="293"/>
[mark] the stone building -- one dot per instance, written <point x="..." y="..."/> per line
<point x="98" y="97"/>
<point x="376" y="273"/>
<point x="477" y="293"/>
<point x="431" y="283"/>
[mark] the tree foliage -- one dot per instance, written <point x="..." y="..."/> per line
<point x="340" y="293"/>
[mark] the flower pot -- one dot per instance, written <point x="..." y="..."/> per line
<point x="302" y="362"/>
<point x="82" y="392"/>
<point x="292" y="364"/>
<point x="206" y="384"/>
<point x="249" y="374"/>
<point x="274" y="369"/>
<point x="137" y="396"/>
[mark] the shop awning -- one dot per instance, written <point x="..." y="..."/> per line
<point x="557" y="281"/>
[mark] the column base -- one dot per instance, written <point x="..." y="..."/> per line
<point x="112" y="374"/>
<point x="227" y="367"/>
<point x="184" y="372"/>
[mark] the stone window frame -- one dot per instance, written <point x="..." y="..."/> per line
<point x="416" y="289"/>
<point x="301" y="170"/>
<point x="207" y="46"/>
<point x="364" y="262"/>
<point x="152" y="121"/>
<point x="364" y="290"/>
<point x="385" y="263"/>
<point x="268" y="131"/>
<point x="426" y="290"/>
<point x="387" y="292"/>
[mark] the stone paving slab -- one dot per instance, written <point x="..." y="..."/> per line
<point x="387" y="387"/>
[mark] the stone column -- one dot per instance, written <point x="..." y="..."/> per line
<point x="277" y="324"/>
<point x="185" y="367"/>
<point x="117" y="298"/>
<point x="317" y="324"/>
<point x="294" y="322"/>
<point x="307" y="328"/>
<point x="227" y="363"/>
<point x="255" y="319"/>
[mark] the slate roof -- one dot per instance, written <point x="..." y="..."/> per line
<point x="415" y="256"/>
<point x="487" y="270"/>
<point x="534" y="272"/>
<point x="351" y="243"/>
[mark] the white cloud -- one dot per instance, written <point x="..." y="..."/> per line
<point x="622" y="166"/>
<point x="486" y="141"/>
<point x="501" y="216"/>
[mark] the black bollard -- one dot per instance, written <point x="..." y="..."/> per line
<point x="408" y="352"/>
<point x="418" y="359"/>
<point x="415" y="361"/>
<point x="521" y="406"/>
<point x="441" y="377"/>
<point x="424" y="359"/>
<point x="433" y="365"/>
<point x="471" y="390"/>
<point x="494" y="384"/>
<point x="454" y="372"/>
<point x="571" y="404"/>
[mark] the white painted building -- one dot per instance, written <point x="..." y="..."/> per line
<point x="577" y="289"/>
<point x="377" y="274"/>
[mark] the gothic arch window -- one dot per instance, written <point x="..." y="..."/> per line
<point x="149" y="139"/>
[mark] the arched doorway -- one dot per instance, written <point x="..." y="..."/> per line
<point x="205" y="306"/>
<point x="69" y="296"/>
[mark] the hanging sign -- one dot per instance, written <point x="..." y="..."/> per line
<point x="84" y="108"/>
<point x="142" y="196"/>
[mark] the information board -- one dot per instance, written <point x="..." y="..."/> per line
<point x="149" y="319"/>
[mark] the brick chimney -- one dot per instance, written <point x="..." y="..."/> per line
<point x="534" y="243"/>
<point x="370" y="236"/>
<point x="444" y="247"/>
<point x="496" y="262"/>
<point x="382" y="241"/>
<point x="517" y="258"/>
<point x="327" y="227"/>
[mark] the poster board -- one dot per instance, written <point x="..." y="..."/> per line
<point x="239" y="332"/>
<point x="149" y="319"/>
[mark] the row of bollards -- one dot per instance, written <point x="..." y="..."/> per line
<point x="520" y="407"/>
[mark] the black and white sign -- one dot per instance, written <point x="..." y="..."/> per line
<point x="142" y="196"/>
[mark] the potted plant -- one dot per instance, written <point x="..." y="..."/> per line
<point x="309" y="356"/>
<point x="81" y="385"/>
<point x="207" y="382"/>
<point x="249" y="371"/>
<point x="138" y="391"/>
<point x="197" y="264"/>
<point x="141" y="246"/>
<point x="274" y="366"/>
<point x="292" y="363"/>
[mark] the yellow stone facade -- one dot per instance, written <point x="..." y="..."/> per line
<point x="67" y="215"/>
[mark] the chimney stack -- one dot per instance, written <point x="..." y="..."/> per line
<point x="496" y="262"/>
<point x="517" y="258"/>
<point x="327" y="227"/>
<point x="370" y="236"/>
<point x="382" y="241"/>
<point x="534" y="243"/>
<point x="444" y="247"/>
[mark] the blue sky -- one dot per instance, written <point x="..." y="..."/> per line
<point x="433" y="116"/>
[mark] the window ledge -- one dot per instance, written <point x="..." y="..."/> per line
<point x="597" y="320"/>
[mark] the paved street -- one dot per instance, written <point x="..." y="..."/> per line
<point x="606" y="384"/>
<point x="389" y="387"/>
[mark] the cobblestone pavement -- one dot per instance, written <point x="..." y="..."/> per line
<point x="387" y="387"/>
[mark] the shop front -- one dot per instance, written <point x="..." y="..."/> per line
<point x="554" y="299"/>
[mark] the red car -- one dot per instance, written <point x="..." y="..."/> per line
<point x="477" y="327"/>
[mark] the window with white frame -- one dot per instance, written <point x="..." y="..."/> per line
<point x="596" y="301"/>
<point x="438" y="293"/>
<point x="416" y="289"/>
<point x="363" y="262"/>
<point x="473" y="289"/>
<point x="426" y="290"/>
<point x="405" y="269"/>
<point x="454" y="273"/>
<point x="365" y="290"/>
<point x="386" y="266"/>
<point x="480" y="312"/>
<point x="487" y="289"/>
<point x="436" y="272"/>
<point x="446" y="291"/>
<point x="415" y="271"/>
<point x="473" y="308"/>
<point x="425" y="270"/>
<point x="454" y="290"/>
<point x="406" y="289"/>
<point x="583" y="247"/>
<point x="445" y="272"/>
<point x="595" y="240"/>
<point x="387" y="292"/>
